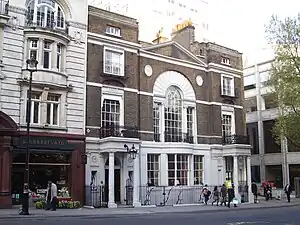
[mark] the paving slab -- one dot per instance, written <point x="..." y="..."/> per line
<point x="117" y="212"/>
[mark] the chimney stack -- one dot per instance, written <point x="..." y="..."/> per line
<point x="184" y="34"/>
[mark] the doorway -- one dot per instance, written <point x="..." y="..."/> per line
<point x="117" y="185"/>
<point x="117" y="180"/>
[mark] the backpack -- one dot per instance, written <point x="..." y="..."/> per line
<point x="209" y="193"/>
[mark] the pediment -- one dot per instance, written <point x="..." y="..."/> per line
<point x="174" y="50"/>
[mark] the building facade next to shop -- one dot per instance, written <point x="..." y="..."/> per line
<point x="53" y="32"/>
<point x="269" y="161"/>
<point x="179" y="102"/>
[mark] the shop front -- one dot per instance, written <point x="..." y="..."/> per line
<point x="52" y="157"/>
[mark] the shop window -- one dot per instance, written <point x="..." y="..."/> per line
<point x="198" y="169"/>
<point x="153" y="169"/>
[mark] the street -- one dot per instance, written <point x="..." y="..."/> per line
<point x="272" y="216"/>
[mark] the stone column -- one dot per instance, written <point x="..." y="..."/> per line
<point x="250" y="195"/>
<point x="235" y="174"/>
<point x="136" y="182"/>
<point x="111" y="181"/>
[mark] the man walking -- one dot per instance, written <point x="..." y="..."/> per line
<point x="51" y="196"/>
<point x="288" y="191"/>
<point x="254" y="191"/>
<point x="223" y="195"/>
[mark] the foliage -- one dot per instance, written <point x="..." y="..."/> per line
<point x="62" y="204"/>
<point x="284" y="36"/>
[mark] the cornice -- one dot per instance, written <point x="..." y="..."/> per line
<point x="17" y="10"/>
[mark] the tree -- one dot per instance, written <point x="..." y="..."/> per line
<point x="284" y="36"/>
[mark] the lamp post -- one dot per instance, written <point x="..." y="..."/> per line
<point x="31" y="66"/>
<point x="131" y="151"/>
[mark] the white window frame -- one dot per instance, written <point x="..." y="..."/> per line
<point x="52" y="103"/>
<point x="59" y="56"/>
<point x="115" y="31"/>
<point x="119" y="98"/>
<point x="198" y="170"/>
<point x="225" y="60"/>
<point x="153" y="156"/>
<point x="32" y="108"/>
<point x="55" y="9"/>
<point x="122" y="59"/>
<point x="176" y="169"/>
<point x="232" y="94"/>
<point x="227" y="110"/>
<point x="50" y="54"/>
<point x="31" y="48"/>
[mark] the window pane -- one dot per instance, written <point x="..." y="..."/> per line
<point x="49" y="113"/>
<point x="36" y="112"/>
<point x="46" y="59"/>
<point x="55" y="114"/>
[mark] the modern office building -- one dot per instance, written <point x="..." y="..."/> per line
<point x="269" y="161"/>
<point x="153" y="15"/>
<point x="54" y="33"/>
<point x="179" y="102"/>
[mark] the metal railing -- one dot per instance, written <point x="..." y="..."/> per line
<point x="119" y="131"/>
<point x="178" y="137"/>
<point x="235" y="139"/>
<point x="172" y="195"/>
<point x="95" y="196"/>
<point x="49" y="26"/>
<point x="4" y="7"/>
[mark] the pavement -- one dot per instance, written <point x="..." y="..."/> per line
<point x="6" y="214"/>
<point x="254" y="216"/>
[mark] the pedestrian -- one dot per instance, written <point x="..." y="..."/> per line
<point x="288" y="191"/>
<point x="206" y="194"/>
<point x="51" y="196"/>
<point x="254" y="191"/>
<point x="223" y="195"/>
<point x="216" y="196"/>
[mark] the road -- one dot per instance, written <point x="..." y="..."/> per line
<point x="275" y="216"/>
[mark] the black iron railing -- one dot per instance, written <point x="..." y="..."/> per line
<point x="95" y="196"/>
<point x="119" y="131"/>
<point x="4" y="7"/>
<point x="172" y="195"/>
<point x="178" y="137"/>
<point x="49" y="26"/>
<point x="235" y="139"/>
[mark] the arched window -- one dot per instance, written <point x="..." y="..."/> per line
<point x="173" y="115"/>
<point x="45" y="13"/>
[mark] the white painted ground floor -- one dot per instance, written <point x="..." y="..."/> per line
<point x="171" y="173"/>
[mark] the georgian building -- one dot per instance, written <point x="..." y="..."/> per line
<point x="53" y="32"/>
<point x="179" y="102"/>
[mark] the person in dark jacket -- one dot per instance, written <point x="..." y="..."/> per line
<point x="254" y="191"/>
<point x="288" y="191"/>
<point x="223" y="195"/>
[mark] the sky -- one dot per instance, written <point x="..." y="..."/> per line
<point x="240" y="24"/>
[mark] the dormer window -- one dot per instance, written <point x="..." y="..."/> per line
<point x="113" y="31"/>
<point x="225" y="60"/>
<point x="45" y="13"/>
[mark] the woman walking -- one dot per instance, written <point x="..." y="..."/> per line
<point x="216" y="196"/>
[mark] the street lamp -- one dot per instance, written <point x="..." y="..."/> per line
<point x="31" y="66"/>
<point x="131" y="151"/>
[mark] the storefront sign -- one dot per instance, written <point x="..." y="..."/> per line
<point x="42" y="143"/>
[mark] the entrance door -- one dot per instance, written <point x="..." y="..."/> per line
<point x="117" y="185"/>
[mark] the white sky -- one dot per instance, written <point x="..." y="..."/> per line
<point x="240" y="24"/>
